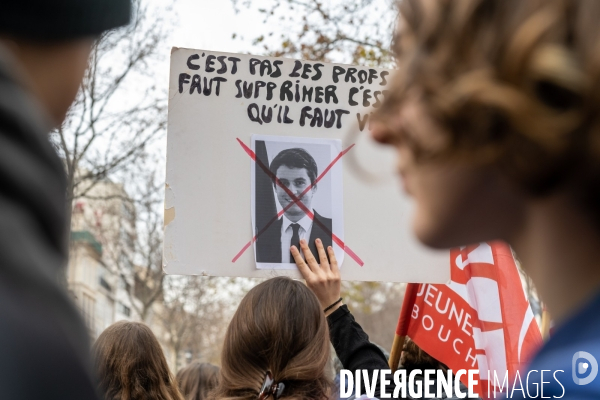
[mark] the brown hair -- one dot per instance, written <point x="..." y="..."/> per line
<point x="278" y="327"/>
<point x="131" y="365"/>
<point x="197" y="379"/>
<point x="413" y="357"/>
<point x="515" y="83"/>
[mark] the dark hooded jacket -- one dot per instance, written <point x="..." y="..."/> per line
<point x="45" y="348"/>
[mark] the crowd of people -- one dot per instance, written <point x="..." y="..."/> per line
<point x="277" y="345"/>
<point x="494" y="113"/>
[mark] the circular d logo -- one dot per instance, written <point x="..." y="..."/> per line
<point x="584" y="363"/>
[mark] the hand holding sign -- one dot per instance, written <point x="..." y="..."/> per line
<point x="324" y="279"/>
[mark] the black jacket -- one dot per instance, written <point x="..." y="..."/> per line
<point x="352" y="344"/>
<point x="354" y="349"/>
<point x="45" y="348"/>
<point x="268" y="244"/>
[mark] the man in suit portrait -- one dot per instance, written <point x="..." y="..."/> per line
<point x="296" y="169"/>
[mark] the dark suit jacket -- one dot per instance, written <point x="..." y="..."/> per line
<point x="268" y="244"/>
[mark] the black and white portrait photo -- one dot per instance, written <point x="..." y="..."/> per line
<point x="297" y="194"/>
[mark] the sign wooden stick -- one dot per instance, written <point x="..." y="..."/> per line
<point x="407" y="304"/>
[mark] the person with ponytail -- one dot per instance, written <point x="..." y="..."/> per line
<point x="276" y="346"/>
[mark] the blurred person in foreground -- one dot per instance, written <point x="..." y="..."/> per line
<point x="131" y="364"/>
<point x="44" y="51"/>
<point x="495" y="115"/>
<point x="197" y="379"/>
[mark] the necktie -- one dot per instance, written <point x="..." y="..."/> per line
<point x="295" y="239"/>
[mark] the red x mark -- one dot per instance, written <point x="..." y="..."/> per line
<point x="296" y="200"/>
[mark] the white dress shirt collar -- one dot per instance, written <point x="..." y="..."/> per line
<point x="305" y="223"/>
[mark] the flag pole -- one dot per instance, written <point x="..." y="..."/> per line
<point x="545" y="328"/>
<point x="400" y="337"/>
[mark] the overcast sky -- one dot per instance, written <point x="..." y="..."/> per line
<point x="210" y="24"/>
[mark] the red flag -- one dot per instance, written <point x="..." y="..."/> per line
<point x="480" y="320"/>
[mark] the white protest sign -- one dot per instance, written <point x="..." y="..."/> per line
<point x="263" y="151"/>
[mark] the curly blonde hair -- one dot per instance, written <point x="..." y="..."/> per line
<point x="514" y="83"/>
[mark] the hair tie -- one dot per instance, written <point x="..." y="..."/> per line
<point x="332" y="305"/>
<point x="270" y="388"/>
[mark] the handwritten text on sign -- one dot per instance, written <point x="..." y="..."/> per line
<point x="275" y="88"/>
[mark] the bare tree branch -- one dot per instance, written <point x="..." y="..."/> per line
<point x="355" y="31"/>
<point x="112" y="122"/>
